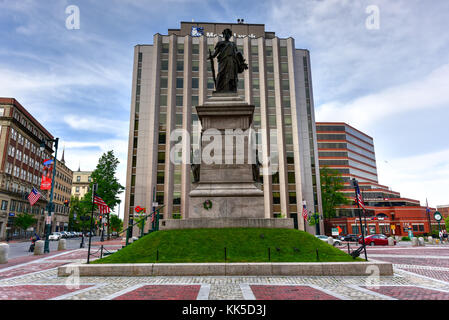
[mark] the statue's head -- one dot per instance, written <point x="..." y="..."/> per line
<point x="227" y="33"/>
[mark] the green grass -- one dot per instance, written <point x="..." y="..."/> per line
<point x="242" y="245"/>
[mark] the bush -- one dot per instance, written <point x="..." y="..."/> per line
<point x="176" y="216"/>
<point x="405" y="239"/>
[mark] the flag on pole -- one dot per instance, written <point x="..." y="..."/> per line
<point x="427" y="207"/>
<point x="102" y="206"/>
<point x="358" y="197"/>
<point x="304" y="210"/>
<point x="33" y="196"/>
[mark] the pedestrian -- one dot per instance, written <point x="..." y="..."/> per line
<point x="440" y="234"/>
<point x="445" y="235"/>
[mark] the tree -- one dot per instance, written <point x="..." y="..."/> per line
<point x="108" y="186"/>
<point x="82" y="214"/>
<point x="24" y="221"/>
<point x="331" y="184"/>
<point x="116" y="223"/>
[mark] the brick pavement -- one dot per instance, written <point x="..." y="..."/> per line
<point x="416" y="277"/>
<point x="161" y="292"/>
<point x="279" y="292"/>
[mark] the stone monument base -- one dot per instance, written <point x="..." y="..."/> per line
<point x="169" y="224"/>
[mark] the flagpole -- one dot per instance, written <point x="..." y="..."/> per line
<point x="428" y="216"/>
<point x="357" y="191"/>
<point x="94" y="189"/>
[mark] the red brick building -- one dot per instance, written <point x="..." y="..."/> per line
<point x="351" y="152"/>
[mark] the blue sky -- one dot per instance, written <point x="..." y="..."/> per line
<point x="391" y="82"/>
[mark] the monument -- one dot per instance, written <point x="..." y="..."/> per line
<point x="225" y="193"/>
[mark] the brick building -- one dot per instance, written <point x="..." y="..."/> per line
<point x="351" y="152"/>
<point x="21" y="167"/>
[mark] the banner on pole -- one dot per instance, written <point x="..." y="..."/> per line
<point x="47" y="174"/>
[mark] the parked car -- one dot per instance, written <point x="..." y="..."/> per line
<point x="55" y="236"/>
<point x="376" y="240"/>
<point x="64" y="234"/>
<point x="337" y="242"/>
<point x="351" y="237"/>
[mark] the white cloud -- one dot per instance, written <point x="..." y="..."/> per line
<point x="366" y="111"/>
<point x="418" y="177"/>
<point x="96" y="124"/>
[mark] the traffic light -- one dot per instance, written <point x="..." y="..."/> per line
<point x="66" y="203"/>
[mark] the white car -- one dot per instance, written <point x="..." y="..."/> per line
<point x="55" y="236"/>
<point x="324" y="238"/>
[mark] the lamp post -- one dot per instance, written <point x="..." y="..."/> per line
<point x="50" y="202"/>
<point x="355" y="184"/>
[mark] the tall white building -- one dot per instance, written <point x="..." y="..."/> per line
<point x="172" y="76"/>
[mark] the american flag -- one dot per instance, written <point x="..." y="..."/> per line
<point x="304" y="211"/>
<point x="33" y="196"/>
<point x="358" y="197"/>
<point x="102" y="206"/>
<point x="427" y="207"/>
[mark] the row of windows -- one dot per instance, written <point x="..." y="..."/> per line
<point x="165" y="49"/>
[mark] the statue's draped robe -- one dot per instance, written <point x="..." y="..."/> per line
<point x="227" y="76"/>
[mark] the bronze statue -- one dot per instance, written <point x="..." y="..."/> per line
<point x="230" y="64"/>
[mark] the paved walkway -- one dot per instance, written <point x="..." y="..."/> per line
<point x="421" y="273"/>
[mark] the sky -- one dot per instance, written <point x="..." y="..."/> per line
<point x="381" y="66"/>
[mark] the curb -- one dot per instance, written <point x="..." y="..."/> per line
<point x="228" y="269"/>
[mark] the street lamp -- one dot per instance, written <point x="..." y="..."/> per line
<point x="50" y="202"/>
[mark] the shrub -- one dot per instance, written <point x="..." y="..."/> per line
<point x="405" y="239"/>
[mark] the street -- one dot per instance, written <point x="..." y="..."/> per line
<point x="20" y="249"/>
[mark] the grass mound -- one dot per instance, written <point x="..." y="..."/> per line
<point x="242" y="245"/>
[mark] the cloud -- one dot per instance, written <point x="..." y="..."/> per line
<point x="425" y="175"/>
<point x="366" y="111"/>
<point x="96" y="124"/>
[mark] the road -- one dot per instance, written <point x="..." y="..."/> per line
<point x="20" y="249"/>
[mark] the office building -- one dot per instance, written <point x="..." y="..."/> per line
<point x="172" y="75"/>
<point x="351" y="153"/>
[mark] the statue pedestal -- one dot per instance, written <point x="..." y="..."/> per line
<point x="226" y="195"/>
<point x="226" y="179"/>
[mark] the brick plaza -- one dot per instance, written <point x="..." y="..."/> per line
<point x="420" y="273"/>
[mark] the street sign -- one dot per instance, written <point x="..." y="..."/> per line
<point x="48" y="220"/>
<point x="437" y="216"/>
<point x="335" y="232"/>
<point x="393" y="227"/>
<point x="12" y="214"/>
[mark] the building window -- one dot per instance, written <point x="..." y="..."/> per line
<point x="165" y="48"/>
<point x="195" y="83"/>
<point x="195" y="65"/>
<point x="77" y="189"/>
<point x="195" y="48"/>
<point x="179" y="83"/>
<point x="164" y="82"/>
<point x="160" y="177"/>
<point x="4" y="205"/>
<point x="283" y="51"/>
<point x="292" y="197"/>
<point x="180" y="65"/>
<point x="164" y="65"/>
<point x="291" y="178"/>
<point x="180" y="48"/>
<point x="179" y="101"/>
<point x="276" y="198"/>
<point x="161" y="157"/>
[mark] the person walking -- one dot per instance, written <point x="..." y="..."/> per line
<point x="440" y="234"/>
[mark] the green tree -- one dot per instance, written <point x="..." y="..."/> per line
<point x="82" y="214"/>
<point x="331" y="184"/>
<point x="446" y="222"/>
<point x="116" y="223"/>
<point x="108" y="186"/>
<point x="24" y="221"/>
